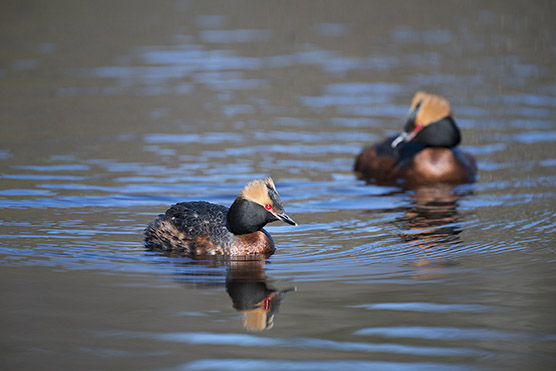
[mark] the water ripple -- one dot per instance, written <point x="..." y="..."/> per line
<point x="332" y="365"/>
<point x="450" y="333"/>
<point x="245" y="340"/>
<point x="428" y="307"/>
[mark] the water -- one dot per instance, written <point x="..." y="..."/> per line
<point x="111" y="112"/>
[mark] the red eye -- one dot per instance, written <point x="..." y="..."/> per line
<point x="419" y="125"/>
<point x="267" y="206"/>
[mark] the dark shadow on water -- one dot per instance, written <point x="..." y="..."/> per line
<point x="245" y="281"/>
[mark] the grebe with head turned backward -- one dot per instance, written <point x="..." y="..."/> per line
<point x="424" y="152"/>
<point x="202" y="228"/>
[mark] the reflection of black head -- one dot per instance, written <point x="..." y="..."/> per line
<point x="257" y="303"/>
<point x="255" y="300"/>
<point x="247" y="295"/>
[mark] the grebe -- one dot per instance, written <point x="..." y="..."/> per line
<point x="202" y="228"/>
<point x="424" y="152"/>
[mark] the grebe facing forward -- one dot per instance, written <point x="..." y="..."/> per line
<point x="201" y="228"/>
<point x="424" y="152"/>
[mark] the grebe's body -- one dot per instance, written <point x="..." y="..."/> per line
<point x="201" y="228"/>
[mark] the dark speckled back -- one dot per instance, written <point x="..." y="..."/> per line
<point x="200" y="218"/>
<point x="193" y="228"/>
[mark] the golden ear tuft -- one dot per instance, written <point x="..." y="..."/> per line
<point x="418" y="97"/>
<point x="257" y="191"/>
<point x="257" y="320"/>
<point x="433" y="107"/>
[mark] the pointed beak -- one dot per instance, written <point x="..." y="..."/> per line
<point x="404" y="136"/>
<point x="401" y="138"/>
<point x="286" y="219"/>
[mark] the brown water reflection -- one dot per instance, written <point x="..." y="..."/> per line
<point x="259" y="302"/>
<point x="432" y="219"/>
<point x="431" y="226"/>
<point x="246" y="283"/>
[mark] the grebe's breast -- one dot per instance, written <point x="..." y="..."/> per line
<point x="442" y="165"/>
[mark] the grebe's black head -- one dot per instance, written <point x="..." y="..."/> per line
<point x="258" y="204"/>
<point x="430" y="123"/>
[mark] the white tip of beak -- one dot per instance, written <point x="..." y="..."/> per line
<point x="402" y="137"/>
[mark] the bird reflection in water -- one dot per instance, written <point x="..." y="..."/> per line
<point x="245" y="282"/>
<point x="431" y="224"/>
<point x="432" y="219"/>
<point x="252" y="296"/>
